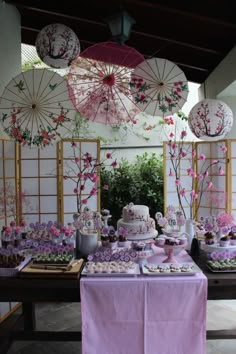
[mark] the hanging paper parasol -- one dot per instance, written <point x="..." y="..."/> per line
<point x="101" y="92"/>
<point x="35" y="108"/>
<point x="114" y="53"/>
<point x="159" y="87"/>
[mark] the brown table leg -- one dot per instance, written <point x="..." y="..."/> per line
<point x="28" y="309"/>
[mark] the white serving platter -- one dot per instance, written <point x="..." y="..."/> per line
<point x="193" y="271"/>
<point x="216" y="247"/>
<point x="135" y="272"/>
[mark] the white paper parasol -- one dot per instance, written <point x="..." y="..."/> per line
<point x="35" y="108"/>
<point x="159" y="87"/>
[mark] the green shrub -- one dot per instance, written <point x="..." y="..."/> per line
<point x="140" y="182"/>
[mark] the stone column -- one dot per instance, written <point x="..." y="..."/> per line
<point x="10" y="43"/>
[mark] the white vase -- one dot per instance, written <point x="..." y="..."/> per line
<point x="86" y="242"/>
<point x="189" y="229"/>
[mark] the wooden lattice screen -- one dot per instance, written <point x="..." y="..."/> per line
<point x="222" y="196"/>
<point x="37" y="176"/>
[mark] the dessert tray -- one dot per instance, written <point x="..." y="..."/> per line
<point x="173" y="233"/>
<point x="54" y="261"/>
<point x="72" y="270"/>
<point x="223" y="266"/>
<point x="170" y="269"/>
<point x="11" y="272"/>
<point x="215" y="247"/>
<point x="111" y="269"/>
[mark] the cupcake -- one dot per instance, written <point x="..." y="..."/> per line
<point x="232" y="238"/>
<point x="160" y="241"/>
<point x="122" y="241"/>
<point x="209" y="238"/>
<point x="113" y="241"/>
<point x="224" y="241"/>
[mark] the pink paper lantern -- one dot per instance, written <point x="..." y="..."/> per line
<point x="210" y="120"/>
<point x="57" y="45"/>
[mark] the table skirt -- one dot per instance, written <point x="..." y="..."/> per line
<point x="144" y="315"/>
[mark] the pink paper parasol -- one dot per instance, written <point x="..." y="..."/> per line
<point x="101" y="91"/>
<point x="114" y="53"/>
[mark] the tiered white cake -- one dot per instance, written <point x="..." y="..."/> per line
<point x="136" y="220"/>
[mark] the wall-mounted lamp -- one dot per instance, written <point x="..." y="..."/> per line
<point x="120" y="26"/>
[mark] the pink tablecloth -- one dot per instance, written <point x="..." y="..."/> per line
<point x="144" y="315"/>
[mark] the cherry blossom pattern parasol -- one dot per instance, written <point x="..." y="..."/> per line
<point x="101" y="91"/>
<point x="159" y="87"/>
<point x="35" y="108"/>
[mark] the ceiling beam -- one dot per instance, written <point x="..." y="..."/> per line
<point x="148" y="30"/>
<point x="30" y="20"/>
<point x="150" y="4"/>
<point x="146" y="49"/>
<point x="184" y="13"/>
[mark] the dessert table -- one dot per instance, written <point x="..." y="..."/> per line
<point x="144" y="314"/>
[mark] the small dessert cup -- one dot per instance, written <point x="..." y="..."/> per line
<point x="160" y="241"/>
<point x="113" y="244"/>
<point x="183" y="241"/>
<point x="125" y="244"/>
<point x="233" y="242"/>
<point x="224" y="242"/>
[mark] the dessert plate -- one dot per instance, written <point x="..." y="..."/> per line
<point x="216" y="247"/>
<point x="135" y="271"/>
<point x="11" y="272"/>
<point x="180" y="269"/>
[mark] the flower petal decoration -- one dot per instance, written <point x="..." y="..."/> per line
<point x="159" y="87"/>
<point x="35" y="108"/>
<point x="57" y="45"/>
<point x="210" y="120"/>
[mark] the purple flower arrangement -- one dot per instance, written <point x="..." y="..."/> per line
<point x="41" y="247"/>
<point x="104" y="254"/>
<point x="10" y="257"/>
<point x="226" y="254"/>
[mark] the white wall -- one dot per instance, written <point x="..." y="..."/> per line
<point x="223" y="76"/>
